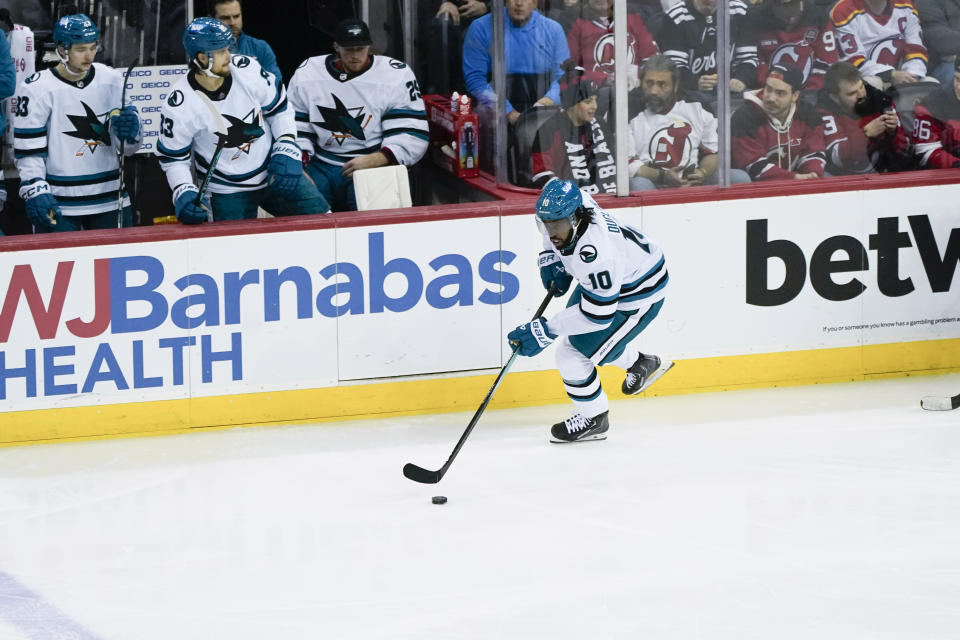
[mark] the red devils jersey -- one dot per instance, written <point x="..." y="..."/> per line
<point x="578" y="153"/>
<point x="591" y="45"/>
<point x="767" y="150"/>
<point x="936" y="129"/>
<point x="808" y="47"/>
<point x="850" y="151"/>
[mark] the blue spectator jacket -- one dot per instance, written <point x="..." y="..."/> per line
<point x="537" y="47"/>
<point x="259" y="49"/>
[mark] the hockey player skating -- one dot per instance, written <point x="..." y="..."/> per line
<point x="233" y="100"/>
<point x="68" y="126"/>
<point x="356" y="111"/>
<point x="622" y="279"/>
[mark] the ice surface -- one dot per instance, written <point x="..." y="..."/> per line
<point x="823" y="512"/>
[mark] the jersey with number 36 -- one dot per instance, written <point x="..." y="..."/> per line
<point x="618" y="268"/>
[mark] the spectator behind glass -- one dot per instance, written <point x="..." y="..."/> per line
<point x="793" y="32"/>
<point x="881" y="39"/>
<point x="936" y="126"/>
<point x="535" y="48"/>
<point x="773" y="135"/>
<point x="673" y="143"/>
<point x="566" y="12"/>
<point x="574" y="144"/>
<point x="230" y="13"/>
<point x="591" y="43"/>
<point x="689" y="38"/>
<point x="940" y="20"/>
<point x="445" y="24"/>
<point x="861" y="128"/>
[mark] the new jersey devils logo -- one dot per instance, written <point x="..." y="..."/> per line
<point x="671" y="147"/>
<point x="798" y="55"/>
<point x="888" y="51"/>
<point x="603" y="53"/>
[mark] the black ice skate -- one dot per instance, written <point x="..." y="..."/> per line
<point x="643" y="373"/>
<point x="577" y="428"/>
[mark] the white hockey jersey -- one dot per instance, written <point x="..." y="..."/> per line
<point x="24" y="54"/>
<point x="674" y="139"/>
<point x="61" y="135"/>
<point x="878" y="43"/>
<point x="249" y="98"/>
<point x="618" y="268"/>
<point x="341" y="117"/>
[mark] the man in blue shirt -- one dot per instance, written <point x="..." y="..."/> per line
<point x="230" y="13"/>
<point x="535" y="48"/>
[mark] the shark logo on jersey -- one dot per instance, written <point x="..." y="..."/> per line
<point x="341" y="122"/>
<point x="90" y="129"/>
<point x="241" y="134"/>
<point x="588" y="253"/>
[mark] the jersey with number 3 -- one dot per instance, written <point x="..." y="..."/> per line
<point x="340" y="117"/>
<point x="61" y="135"/>
<point x="877" y="43"/>
<point x="618" y="268"/>
<point x="249" y="98"/>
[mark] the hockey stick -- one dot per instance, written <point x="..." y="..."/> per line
<point x="940" y="403"/>
<point x="122" y="159"/>
<point x="425" y="476"/>
<point x="221" y="140"/>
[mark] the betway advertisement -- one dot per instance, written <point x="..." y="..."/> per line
<point x="808" y="272"/>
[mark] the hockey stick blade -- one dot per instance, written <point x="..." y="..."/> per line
<point x="425" y="476"/>
<point x="939" y="403"/>
<point x="421" y="475"/>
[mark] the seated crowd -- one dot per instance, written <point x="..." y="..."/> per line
<point x="819" y="88"/>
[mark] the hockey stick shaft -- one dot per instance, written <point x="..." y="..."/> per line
<point x="122" y="159"/>
<point x="221" y="140"/>
<point x="425" y="476"/>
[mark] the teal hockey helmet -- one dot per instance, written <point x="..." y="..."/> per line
<point x="558" y="212"/>
<point x="204" y="35"/>
<point x="75" y="29"/>
<point x="559" y="199"/>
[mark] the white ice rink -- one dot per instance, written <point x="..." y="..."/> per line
<point x="816" y="513"/>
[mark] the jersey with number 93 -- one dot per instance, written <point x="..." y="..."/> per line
<point x="618" y="268"/>
<point x="254" y="108"/>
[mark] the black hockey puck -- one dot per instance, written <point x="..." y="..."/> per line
<point x="439" y="499"/>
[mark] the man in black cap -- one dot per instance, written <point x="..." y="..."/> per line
<point x="774" y="136"/>
<point x="354" y="111"/>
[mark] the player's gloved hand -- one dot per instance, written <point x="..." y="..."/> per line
<point x="531" y="338"/>
<point x="286" y="166"/>
<point x="186" y="207"/>
<point x="125" y="123"/>
<point x="43" y="210"/>
<point x="552" y="273"/>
